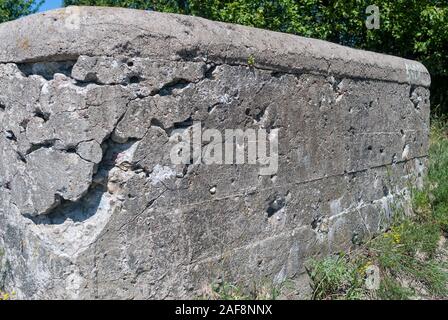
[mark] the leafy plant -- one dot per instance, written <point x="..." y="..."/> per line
<point x="13" y="9"/>
<point x="335" y="277"/>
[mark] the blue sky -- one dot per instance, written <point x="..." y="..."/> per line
<point x="50" y="4"/>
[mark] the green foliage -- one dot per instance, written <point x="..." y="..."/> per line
<point x="251" y="61"/>
<point x="4" y="295"/>
<point x="404" y="252"/>
<point x="13" y="9"/>
<point x="335" y="277"/>
<point x="391" y="289"/>
<point x="438" y="172"/>
<point x="229" y="291"/>
<point x="172" y="6"/>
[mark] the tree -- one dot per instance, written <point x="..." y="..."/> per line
<point x="13" y="9"/>
<point x="414" y="29"/>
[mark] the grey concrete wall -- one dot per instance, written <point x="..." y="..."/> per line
<point x="91" y="203"/>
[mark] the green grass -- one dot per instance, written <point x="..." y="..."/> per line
<point x="407" y="254"/>
<point x="258" y="291"/>
<point x="336" y="278"/>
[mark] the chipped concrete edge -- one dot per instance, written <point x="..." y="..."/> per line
<point x="65" y="34"/>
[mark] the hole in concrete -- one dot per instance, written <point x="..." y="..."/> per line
<point x="369" y="148"/>
<point x="209" y="73"/>
<point x="275" y="206"/>
<point x="2" y="107"/>
<point x="356" y="239"/>
<point x="134" y="79"/>
<point x="10" y="135"/>
<point x="385" y="190"/>
<point x="394" y="158"/>
<point x="24" y="123"/>
<point x="91" y="77"/>
<point x="39" y="114"/>
<point x="315" y="223"/>
<point x="130" y="63"/>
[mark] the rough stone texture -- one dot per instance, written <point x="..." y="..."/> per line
<point x="90" y="204"/>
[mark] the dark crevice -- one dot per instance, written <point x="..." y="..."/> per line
<point x="183" y="124"/>
<point x="43" y="145"/>
<point x="134" y="79"/>
<point x="91" y="77"/>
<point x="76" y="211"/>
<point x="278" y="74"/>
<point x="209" y="72"/>
<point x="180" y="125"/>
<point x="21" y="157"/>
<point x="316" y="222"/>
<point x="157" y="123"/>
<point x="71" y="149"/>
<point x="412" y="88"/>
<point x="335" y="84"/>
<point x="11" y="136"/>
<point x="275" y="206"/>
<point x="47" y="70"/>
<point x="42" y="115"/>
<point x="385" y="190"/>
<point x="213" y="107"/>
<point x="189" y="54"/>
<point x="187" y="123"/>
<point x="257" y="113"/>
<point x="168" y="88"/>
<point x="414" y="97"/>
<point x="7" y="185"/>
<point x="24" y="123"/>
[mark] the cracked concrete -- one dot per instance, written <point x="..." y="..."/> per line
<point x="91" y="205"/>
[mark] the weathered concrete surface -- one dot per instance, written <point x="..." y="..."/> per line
<point x="91" y="205"/>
